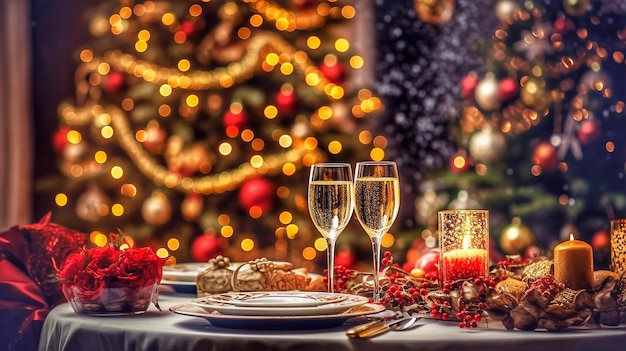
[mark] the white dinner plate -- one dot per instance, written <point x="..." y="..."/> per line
<point x="276" y="322"/>
<point x="180" y="287"/>
<point x="325" y="309"/>
<point x="280" y="299"/>
<point x="184" y="272"/>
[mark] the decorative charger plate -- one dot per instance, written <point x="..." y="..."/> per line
<point x="277" y="298"/>
<point x="276" y="322"/>
<point x="325" y="309"/>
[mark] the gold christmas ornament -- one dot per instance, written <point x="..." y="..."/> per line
<point x="92" y="204"/>
<point x="516" y="237"/>
<point x="487" y="145"/>
<point x="533" y="93"/>
<point x="576" y="7"/>
<point x="156" y="209"/>
<point x="505" y="9"/>
<point x="486" y="93"/>
<point x="434" y="11"/>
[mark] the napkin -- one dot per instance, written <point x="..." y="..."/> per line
<point x="29" y="258"/>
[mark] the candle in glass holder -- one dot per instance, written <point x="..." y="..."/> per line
<point x="573" y="264"/>
<point x="618" y="247"/>
<point x="463" y="244"/>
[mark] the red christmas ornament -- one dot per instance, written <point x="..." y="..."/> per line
<point x="468" y="85"/>
<point x="286" y="102"/>
<point x="345" y="258"/>
<point x="188" y="27"/>
<point x="235" y="118"/>
<point x="544" y="155"/>
<point x="257" y="192"/>
<point x="59" y="139"/>
<point x="428" y="261"/>
<point x="601" y="240"/>
<point x="459" y="162"/>
<point x="205" y="247"/>
<point x="589" y="131"/>
<point x="508" y="88"/>
<point x="113" y="82"/>
<point x="563" y="25"/>
<point x="155" y="138"/>
<point x="532" y="252"/>
<point x="333" y="72"/>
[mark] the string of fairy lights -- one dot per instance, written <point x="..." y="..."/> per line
<point x="264" y="53"/>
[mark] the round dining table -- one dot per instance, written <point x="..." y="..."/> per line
<point x="66" y="330"/>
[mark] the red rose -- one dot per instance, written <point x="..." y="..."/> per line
<point x="72" y="265"/>
<point x="103" y="261"/>
<point x="139" y="267"/>
<point x="89" y="285"/>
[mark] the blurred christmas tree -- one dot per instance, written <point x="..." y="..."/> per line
<point x="194" y="123"/>
<point x="541" y="133"/>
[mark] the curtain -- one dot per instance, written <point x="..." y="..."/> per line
<point x="15" y="113"/>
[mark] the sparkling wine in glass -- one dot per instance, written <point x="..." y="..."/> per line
<point x="330" y="205"/>
<point x="376" y="203"/>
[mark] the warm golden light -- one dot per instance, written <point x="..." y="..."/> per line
<point x="247" y="244"/>
<point x="377" y="154"/>
<point x="165" y="90"/>
<point x="309" y="253"/>
<point x="106" y="132"/>
<point x="320" y="244"/>
<point x="117" y="210"/>
<point x="128" y="190"/>
<point x="256" y="161"/>
<point x="225" y="148"/>
<point x="168" y="18"/>
<point x="60" y="199"/>
<point x="387" y="240"/>
<point x="285" y="217"/>
<point x="335" y="147"/>
<point x="173" y="244"/>
<point x="313" y="42"/>
<point x="270" y="112"/>
<point x="162" y="252"/>
<point x="117" y="172"/>
<point x="285" y="141"/>
<point x="100" y="156"/>
<point x="289" y="169"/>
<point x="342" y="45"/>
<point x="227" y="231"/>
<point x="184" y="65"/>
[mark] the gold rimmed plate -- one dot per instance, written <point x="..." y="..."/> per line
<point x="279" y="299"/>
<point x="275" y="322"/>
<point x="325" y="309"/>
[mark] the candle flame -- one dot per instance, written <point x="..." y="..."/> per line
<point x="571" y="236"/>
<point x="466" y="242"/>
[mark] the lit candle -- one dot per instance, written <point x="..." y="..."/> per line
<point x="573" y="264"/>
<point x="464" y="264"/>
<point x="463" y="244"/>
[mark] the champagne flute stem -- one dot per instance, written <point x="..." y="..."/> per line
<point x="376" y="261"/>
<point x="330" y="261"/>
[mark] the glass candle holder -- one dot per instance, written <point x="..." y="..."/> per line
<point x="463" y="245"/>
<point x="618" y="247"/>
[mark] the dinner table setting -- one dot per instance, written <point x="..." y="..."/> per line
<point x="122" y="297"/>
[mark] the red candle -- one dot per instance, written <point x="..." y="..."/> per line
<point x="463" y="264"/>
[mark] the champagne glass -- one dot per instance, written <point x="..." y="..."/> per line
<point x="376" y="203"/>
<point x="330" y="205"/>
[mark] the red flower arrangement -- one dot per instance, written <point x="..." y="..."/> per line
<point x="112" y="280"/>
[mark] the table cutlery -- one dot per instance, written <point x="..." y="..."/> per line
<point x="372" y="329"/>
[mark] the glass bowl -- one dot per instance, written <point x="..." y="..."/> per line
<point x="117" y="300"/>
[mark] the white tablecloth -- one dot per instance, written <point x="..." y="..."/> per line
<point x="164" y="330"/>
